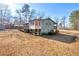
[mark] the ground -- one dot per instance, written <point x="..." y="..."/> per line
<point x="15" y="42"/>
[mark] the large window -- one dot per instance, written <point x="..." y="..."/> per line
<point x="37" y="23"/>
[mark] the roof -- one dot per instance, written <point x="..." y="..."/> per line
<point x="43" y="20"/>
<point x="50" y="20"/>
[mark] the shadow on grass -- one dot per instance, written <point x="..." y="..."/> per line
<point x="61" y="37"/>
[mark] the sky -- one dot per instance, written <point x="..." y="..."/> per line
<point x="50" y="9"/>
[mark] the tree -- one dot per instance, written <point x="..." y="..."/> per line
<point x="25" y="8"/>
<point x="5" y="13"/>
<point x="57" y="21"/>
<point x="25" y="11"/>
<point x="63" y="22"/>
<point x="74" y="19"/>
<point x="19" y="18"/>
<point x="40" y="15"/>
<point x="32" y="14"/>
<point x="16" y="22"/>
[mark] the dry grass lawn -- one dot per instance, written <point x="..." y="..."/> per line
<point x="14" y="42"/>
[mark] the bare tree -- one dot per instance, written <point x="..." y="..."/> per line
<point x="63" y="22"/>
<point x="5" y="13"/>
<point x="60" y="25"/>
<point x="40" y="15"/>
<point x="57" y="20"/>
<point x="32" y="14"/>
<point x="19" y="17"/>
<point x="26" y="11"/>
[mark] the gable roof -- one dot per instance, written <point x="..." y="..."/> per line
<point x="43" y="20"/>
<point x="50" y="20"/>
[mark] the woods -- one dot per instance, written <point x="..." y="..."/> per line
<point x="74" y="19"/>
<point x="25" y="14"/>
<point x="5" y="14"/>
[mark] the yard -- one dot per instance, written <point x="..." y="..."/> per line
<point x="14" y="42"/>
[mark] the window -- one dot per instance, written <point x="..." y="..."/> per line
<point x="32" y="23"/>
<point x="37" y="23"/>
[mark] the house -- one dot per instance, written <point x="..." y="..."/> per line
<point x="25" y="27"/>
<point x="42" y="26"/>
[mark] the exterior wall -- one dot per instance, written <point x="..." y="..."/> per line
<point x="47" y="26"/>
<point x="37" y="24"/>
<point x="34" y="24"/>
<point x="31" y="25"/>
<point x="43" y="26"/>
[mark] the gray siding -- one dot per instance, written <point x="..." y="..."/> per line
<point x="46" y="26"/>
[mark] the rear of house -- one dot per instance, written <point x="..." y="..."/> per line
<point x="42" y="26"/>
